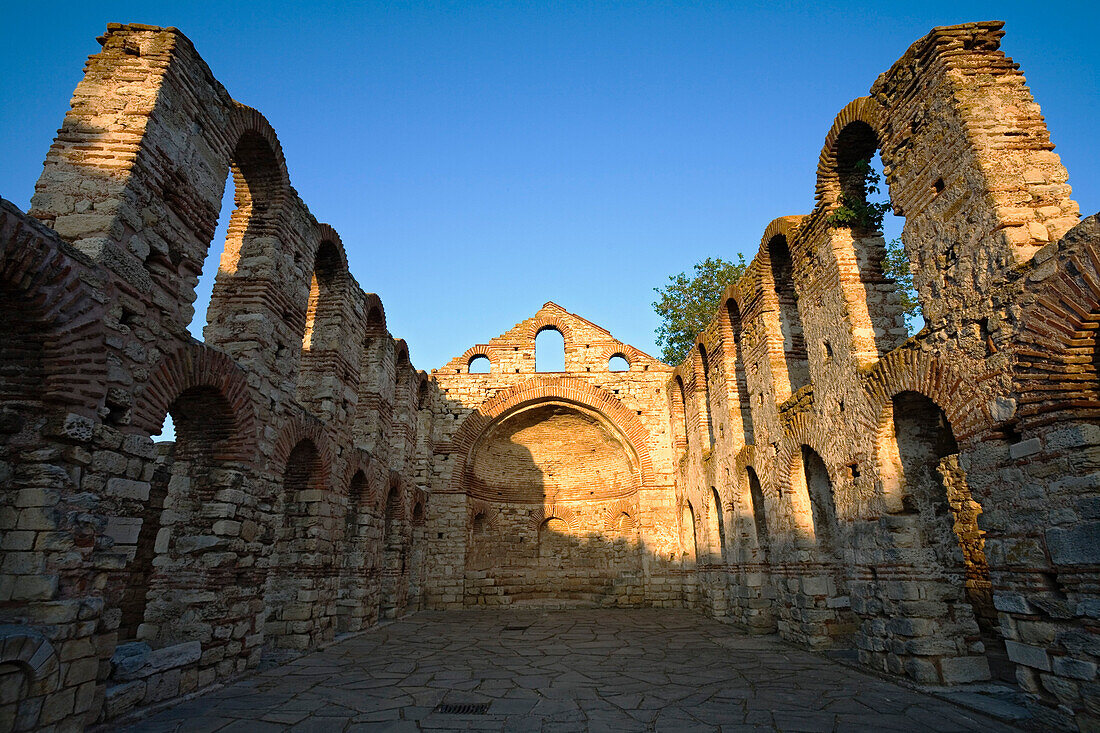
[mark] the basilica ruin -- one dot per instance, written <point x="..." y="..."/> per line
<point x="930" y="502"/>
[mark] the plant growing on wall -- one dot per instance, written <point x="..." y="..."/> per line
<point x="854" y="210"/>
<point x="896" y="266"/>
<point x="687" y="304"/>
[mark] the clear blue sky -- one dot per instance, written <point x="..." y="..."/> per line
<point x="481" y="159"/>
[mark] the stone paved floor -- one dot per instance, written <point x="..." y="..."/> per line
<point x="606" y="670"/>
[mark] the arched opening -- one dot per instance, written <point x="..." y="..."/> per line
<point x="187" y="474"/>
<point x="618" y="363"/>
<point x="716" y="528"/>
<point x="301" y="552"/>
<point x="391" y="598"/>
<point x="790" y="322"/>
<point x="479" y="364"/>
<point x="887" y="310"/>
<point x="551" y="460"/>
<point x="350" y="606"/>
<point x="322" y="310"/>
<point x="549" y="350"/>
<point x="744" y="399"/>
<point x="679" y="414"/>
<point x="257" y="185"/>
<point x="819" y="487"/>
<point x="705" y="373"/>
<point x="15" y="682"/>
<point x="204" y="280"/>
<point x="554" y="545"/>
<point x="691" y="542"/>
<point x="318" y="380"/>
<point x="369" y="428"/>
<point x="929" y="498"/>
<point x="759" y="515"/>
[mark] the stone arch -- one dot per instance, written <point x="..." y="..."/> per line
<point x="195" y="366"/>
<point x="786" y="338"/>
<point x="677" y="397"/>
<point x="298" y="430"/>
<point x="51" y="319"/>
<point x="1058" y="370"/>
<point x="475" y="352"/>
<point x="541" y="515"/>
<point x="29" y="668"/>
<point x="613" y="516"/>
<point x="545" y="321"/>
<point x="540" y="389"/>
<point x="733" y="337"/>
<point x="325" y="310"/>
<point x="701" y="372"/>
<point x="862" y="110"/>
<point x="909" y="370"/>
<point x="480" y="507"/>
<point x="375" y="322"/>
<point x="804" y="430"/>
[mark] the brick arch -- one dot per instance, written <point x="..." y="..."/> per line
<point x="783" y="226"/>
<point x="490" y="512"/>
<point x="197" y="365"/>
<point x="325" y="233"/>
<point x="629" y="353"/>
<point x="373" y="304"/>
<point x="46" y="279"/>
<point x="400" y="508"/>
<point x="273" y="182"/>
<point x="549" y="321"/>
<point x="295" y="431"/>
<point x="554" y="511"/>
<point x="1058" y="354"/>
<point x="863" y="109"/>
<point x="359" y="461"/>
<point x="477" y="350"/>
<point x="908" y="370"/>
<point x="540" y="389"/>
<point x="612" y="512"/>
<point x="29" y="649"/>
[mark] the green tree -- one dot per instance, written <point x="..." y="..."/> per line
<point x="687" y="304"/>
<point x="896" y="266"/>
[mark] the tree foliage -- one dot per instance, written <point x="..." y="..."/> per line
<point x="896" y="266"/>
<point x="854" y="210"/>
<point x="688" y="303"/>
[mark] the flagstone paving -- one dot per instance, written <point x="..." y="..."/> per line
<point x="598" y="670"/>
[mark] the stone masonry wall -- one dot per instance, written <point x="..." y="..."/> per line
<point x="134" y="572"/>
<point x="928" y="501"/>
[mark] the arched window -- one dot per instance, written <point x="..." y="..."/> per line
<point x="705" y="373"/>
<point x="618" y="363"/>
<point x="743" y="397"/>
<point x="204" y="427"/>
<point x="479" y="364"/>
<point x="716" y="527"/>
<point x="549" y="350"/>
<point x="790" y="323"/>
<point x="691" y="548"/>
<point x="322" y="310"/>
<point x="759" y="515"/>
<point x="822" y="502"/>
<point x="679" y="413"/>
<point x="864" y="212"/>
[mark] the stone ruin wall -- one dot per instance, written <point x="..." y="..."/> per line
<point x="498" y="536"/>
<point x="291" y="504"/>
<point x="930" y="501"/>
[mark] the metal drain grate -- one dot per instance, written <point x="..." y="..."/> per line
<point x="463" y="708"/>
